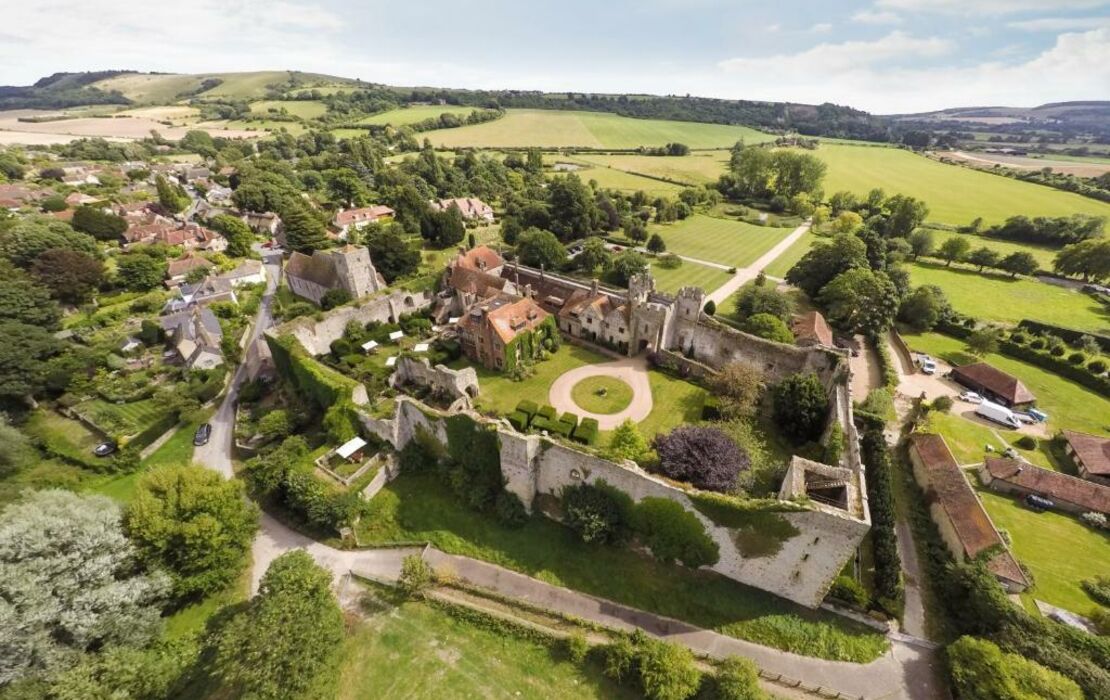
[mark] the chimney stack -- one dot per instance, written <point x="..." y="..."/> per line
<point x="594" y="287"/>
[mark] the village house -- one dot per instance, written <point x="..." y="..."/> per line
<point x="348" y="268"/>
<point x="265" y="223"/>
<point x="12" y="197"/>
<point x="963" y="523"/>
<point x="994" y="384"/>
<point x="202" y="293"/>
<point x="811" y="329"/>
<point x="188" y="236"/>
<point x="218" y="194"/>
<point x="1091" y="455"/>
<point x="488" y="330"/>
<point x="195" y="335"/>
<point x="247" y="272"/>
<point x="1067" y="492"/>
<point x="344" y="221"/>
<point x="178" y="270"/>
<point x="596" y="317"/>
<point x="188" y="174"/>
<point x="471" y="208"/>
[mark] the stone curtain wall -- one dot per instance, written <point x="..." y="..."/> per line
<point x="444" y="381"/>
<point x="801" y="570"/>
<point x="317" y="335"/>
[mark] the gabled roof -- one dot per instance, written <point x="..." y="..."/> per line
<point x="1093" y="451"/>
<point x="479" y="258"/>
<point x="185" y="264"/>
<point x="351" y="216"/>
<point x="476" y="282"/>
<point x="996" y="381"/>
<point x="812" y="327"/>
<point x="506" y="315"/>
<point x="1063" y="487"/>
<point x="247" y="268"/>
<point x="313" y="268"/>
<point x="469" y="207"/>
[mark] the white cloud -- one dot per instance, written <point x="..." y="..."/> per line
<point x="821" y="28"/>
<point x="876" y="17"/>
<point x="1059" y="24"/>
<point x="987" y="7"/>
<point x="843" y="57"/>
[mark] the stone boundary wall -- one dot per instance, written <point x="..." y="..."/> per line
<point x="317" y="335"/>
<point x="801" y="570"/>
<point x="450" y="383"/>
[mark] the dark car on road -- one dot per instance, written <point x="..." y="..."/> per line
<point x="104" y="449"/>
<point x="203" y="433"/>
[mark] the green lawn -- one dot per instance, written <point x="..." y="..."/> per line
<point x="413" y="650"/>
<point x="1068" y="404"/>
<point x="1058" y="548"/>
<point x="1044" y="255"/>
<point x="131" y="418"/>
<point x="419" y="507"/>
<point x="613" y="179"/>
<point x="417" y="113"/>
<point x="603" y="395"/>
<point x="554" y="128"/>
<point x="967" y="439"/>
<point x="688" y="274"/>
<point x="306" y="109"/>
<point x="997" y="298"/>
<point x="294" y="128"/>
<point x="955" y="195"/>
<point x="694" y="169"/>
<point x="723" y="241"/>
<point x="791" y="255"/>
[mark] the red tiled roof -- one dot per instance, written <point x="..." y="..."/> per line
<point x="1061" y="487"/>
<point x="812" y="326"/>
<point x="479" y="258"/>
<point x="476" y="282"/>
<point x="469" y="207"/>
<point x="184" y="264"/>
<point x="371" y="214"/>
<point x="982" y="375"/>
<point x="1093" y="451"/>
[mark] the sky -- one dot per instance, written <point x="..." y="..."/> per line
<point x="884" y="56"/>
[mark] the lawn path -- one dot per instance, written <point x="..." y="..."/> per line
<point x="746" y="274"/>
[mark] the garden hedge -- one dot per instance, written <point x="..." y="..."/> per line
<point x="1069" y="335"/>
<point x="548" y="412"/>
<point x="519" y="420"/>
<point x="586" y="433"/>
<point x="528" y="406"/>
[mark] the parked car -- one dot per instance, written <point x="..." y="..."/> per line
<point x="998" y="414"/>
<point x="104" y="449"/>
<point x="971" y="397"/>
<point x="204" y="432"/>
<point x="1039" y="416"/>
<point x="1038" y="503"/>
<point x="1025" y="418"/>
<point x="929" y="366"/>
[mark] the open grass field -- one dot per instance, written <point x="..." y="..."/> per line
<point x="413" y="650"/>
<point x="955" y="195"/>
<point x="176" y="114"/>
<point x="999" y="298"/>
<point x="613" y="179"/>
<point x="694" y="169"/>
<point x="723" y="241"/>
<point x="130" y="417"/>
<point x="968" y="437"/>
<point x="791" y="255"/>
<point x="420" y="507"/>
<point x="1058" y="548"/>
<point x="553" y="128"/>
<point x="689" y="274"/>
<point x="164" y="88"/>
<point x="1044" y="255"/>
<point x="253" y="127"/>
<point x="306" y="109"/>
<point x="417" y="113"/>
<point x="1068" y="404"/>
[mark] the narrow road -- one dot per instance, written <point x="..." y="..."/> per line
<point x="746" y="274"/>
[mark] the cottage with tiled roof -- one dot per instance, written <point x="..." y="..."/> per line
<point x="471" y="208"/>
<point x="500" y="332"/>
<point x="993" y="384"/>
<point x="195" y="335"/>
<point x="959" y="515"/>
<point x="1091" y="454"/>
<point x="1068" y="492"/>
<point x="349" y="219"/>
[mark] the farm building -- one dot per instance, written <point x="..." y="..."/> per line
<point x="963" y="522"/>
<point x="994" y="384"/>
<point x="1067" y="492"/>
<point x="1091" y="455"/>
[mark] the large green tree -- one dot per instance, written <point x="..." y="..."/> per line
<point x="69" y="583"/>
<point x="23" y="240"/>
<point x="443" y="229"/>
<point x="924" y="307"/>
<point x="172" y="197"/>
<point x="627" y="265"/>
<point x="1088" y="259"/>
<point x="860" y="301"/>
<point x="572" y="207"/>
<point x="826" y="260"/>
<point x="194" y="524"/>
<point x="540" y="248"/>
<point x="801" y="407"/>
<point x="25" y="300"/>
<point x="1019" y="263"/>
<point x="71" y="276"/>
<point x="100" y="224"/>
<point x="288" y="635"/>
<point x="239" y="236"/>
<point x="594" y="256"/>
<point x="982" y="671"/>
<point x="954" y="249"/>
<point x="304" y="231"/>
<point x="140" y="272"/>
<point x="392" y="255"/>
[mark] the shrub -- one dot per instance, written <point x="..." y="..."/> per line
<point x="800" y="407"/>
<point x="620" y="656"/>
<point x="577" y="647"/>
<point x="673" y="533"/>
<point x="1097" y="366"/>
<point x="1057" y="351"/>
<point x="509" y="509"/>
<point x="666" y="670"/>
<point x="1095" y="520"/>
<point x="528" y="407"/>
<point x="704" y="456"/>
<point x="738" y="679"/>
<point x="416" y="576"/>
<point x="1017" y="337"/>
<point x="519" y="420"/>
<point x="547" y="412"/>
<point x="850" y="591"/>
<point x="597" y="512"/>
<point x="1026" y="442"/>
<point x="1098" y="588"/>
<point x="587" y="430"/>
<point x="1038" y="343"/>
<point x="942" y="404"/>
<point x="1077" y="358"/>
<point x="982" y="671"/>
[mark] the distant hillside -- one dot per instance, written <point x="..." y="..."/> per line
<point x="62" y="90"/>
<point x="1068" y="117"/>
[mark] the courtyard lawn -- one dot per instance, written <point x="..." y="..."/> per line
<point x="416" y="113"/>
<point x="677" y="402"/>
<point x="723" y="241"/>
<point x="554" y="128"/>
<point x="1001" y="299"/>
<point x="955" y="194"/>
<point x="780" y="265"/>
<point x="413" y="650"/>
<point x="695" y="169"/>
<point x="1059" y="550"/>
<point x="603" y="395"/>
<point x="688" y="274"/>
<point x="1068" y="404"/>
<point x="306" y="109"/>
<point x="420" y="507"/>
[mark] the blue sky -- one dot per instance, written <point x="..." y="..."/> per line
<point x="881" y="55"/>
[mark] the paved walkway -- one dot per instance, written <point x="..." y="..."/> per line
<point x="746" y="274"/>
<point x="631" y="370"/>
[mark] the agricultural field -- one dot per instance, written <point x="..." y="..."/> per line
<point x="1067" y="404"/>
<point x="1038" y="539"/>
<point x="552" y="128"/>
<point x="252" y="127"/>
<point x="613" y="179"/>
<point x="411" y="115"/>
<point x="999" y="298"/>
<point x="956" y="195"/>
<point x="177" y="115"/>
<point x="723" y="241"/>
<point x="408" y="649"/>
<point x="695" y="169"/>
<point x="305" y="109"/>
<point x="165" y="88"/>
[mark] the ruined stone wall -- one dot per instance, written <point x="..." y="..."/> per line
<point x="443" y="381"/>
<point x="799" y="567"/>
<point x="317" y="335"/>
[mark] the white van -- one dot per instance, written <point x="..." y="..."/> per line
<point x="998" y="414"/>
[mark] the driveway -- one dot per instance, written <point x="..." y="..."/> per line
<point x="631" y="370"/>
<point x="749" y="273"/>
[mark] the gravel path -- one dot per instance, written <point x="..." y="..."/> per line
<point x="631" y="370"/>
<point x="746" y="274"/>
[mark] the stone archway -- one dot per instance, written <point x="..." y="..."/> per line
<point x="631" y="370"/>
